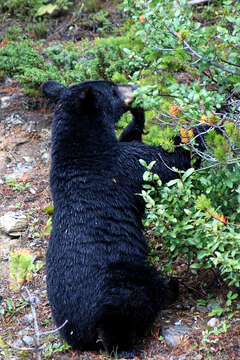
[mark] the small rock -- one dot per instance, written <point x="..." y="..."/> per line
<point x="7" y="81"/>
<point x="202" y="308"/>
<point x="45" y="157"/>
<point x="28" y="318"/>
<point x="14" y="119"/>
<point x="12" y="222"/>
<point x="174" y="333"/>
<point x="20" y="170"/>
<point x="5" y="101"/>
<point x="28" y="340"/>
<point x="213" y="322"/>
<point x="32" y="191"/>
<point x="27" y="158"/>
<point x="6" y="245"/>
<point x="35" y="300"/>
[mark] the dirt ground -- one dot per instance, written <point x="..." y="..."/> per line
<point x="25" y="128"/>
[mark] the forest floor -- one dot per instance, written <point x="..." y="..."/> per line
<point x="25" y="127"/>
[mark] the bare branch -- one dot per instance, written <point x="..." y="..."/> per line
<point x="32" y="303"/>
<point x="197" y="2"/>
<point x="202" y="58"/>
<point x="54" y="330"/>
<point x="169" y="168"/>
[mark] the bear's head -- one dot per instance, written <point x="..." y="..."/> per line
<point x="94" y="98"/>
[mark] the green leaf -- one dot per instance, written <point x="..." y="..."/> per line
<point x="188" y="173"/>
<point x="173" y="182"/>
<point x="49" y="209"/>
<point x="195" y="266"/>
<point x="46" y="9"/>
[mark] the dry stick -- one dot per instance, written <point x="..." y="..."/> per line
<point x="32" y="303"/>
<point x="193" y="52"/>
<point x="37" y="349"/>
<point x="54" y="330"/>
<point x="197" y="2"/>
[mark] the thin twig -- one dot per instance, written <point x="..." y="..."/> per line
<point x="203" y="58"/>
<point x="166" y="164"/>
<point x="35" y="324"/>
<point x="54" y="330"/>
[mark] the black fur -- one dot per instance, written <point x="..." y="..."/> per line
<point x="98" y="277"/>
<point x="134" y="130"/>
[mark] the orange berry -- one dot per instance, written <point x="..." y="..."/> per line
<point x="142" y="18"/>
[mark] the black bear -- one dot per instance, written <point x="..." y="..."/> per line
<point x="98" y="277"/>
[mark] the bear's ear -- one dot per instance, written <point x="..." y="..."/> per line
<point x="53" y="89"/>
<point x="86" y="97"/>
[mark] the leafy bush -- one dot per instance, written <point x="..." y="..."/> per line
<point x="63" y="56"/>
<point x="17" y="55"/>
<point x="22" y="60"/>
<point x="197" y="218"/>
<point x="195" y="63"/>
<point x="14" y="32"/>
<point x="22" y="266"/>
<point x="109" y="59"/>
<point x="22" y="8"/>
<point x="25" y="8"/>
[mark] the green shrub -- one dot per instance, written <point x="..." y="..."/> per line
<point x="188" y="64"/>
<point x="17" y="55"/>
<point x="14" y="32"/>
<point x="197" y="218"/>
<point x="22" y="8"/>
<point x="33" y="8"/>
<point x="37" y="29"/>
<point x="110" y="58"/>
<point x="23" y="61"/>
<point x="64" y="56"/>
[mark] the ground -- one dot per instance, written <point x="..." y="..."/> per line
<point x="24" y="155"/>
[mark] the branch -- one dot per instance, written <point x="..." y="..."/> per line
<point x="196" y="2"/>
<point x="31" y="300"/>
<point x="194" y="53"/>
<point x="54" y="330"/>
<point x="168" y="167"/>
<point x="32" y="303"/>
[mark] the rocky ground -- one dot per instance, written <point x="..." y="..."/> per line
<point x="178" y="334"/>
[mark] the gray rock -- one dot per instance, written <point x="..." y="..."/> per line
<point x="28" y="340"/>
<point x="8" y="81"/>
<point x="202" y="308"/>
<point x="213" y="322"/>
<point x="174" y="333"/>
<point x="20" y="170"/>
<point x="45" y="157"/>
<point x="28" y="318"/>
<point x="35" y="300"/>
<point x="13" y="222"/>
<point x="5" y="101"/>
<point x="14" y="119"/>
